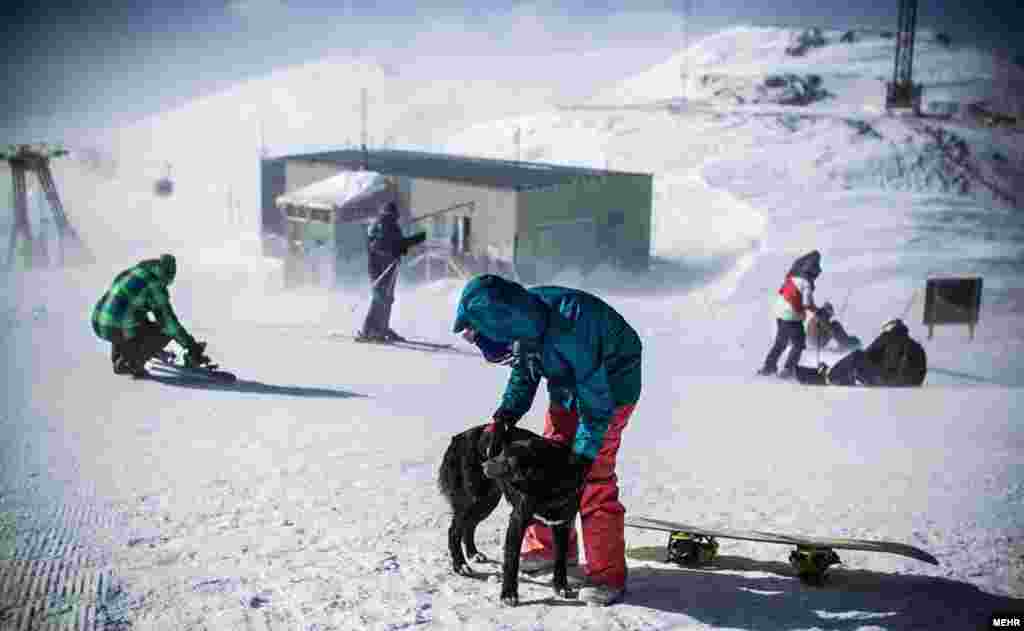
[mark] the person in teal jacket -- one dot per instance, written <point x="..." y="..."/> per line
<point x="590" y="357"/>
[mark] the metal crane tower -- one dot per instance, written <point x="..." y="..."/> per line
<point x="36" y="158"/>
<point x="902" y="93"/>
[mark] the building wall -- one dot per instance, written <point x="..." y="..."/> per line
<point x="582" y="223"/>
<point x="589" y="221"/>
<point x="272" y="184"/>
<point x="493" y="212"/>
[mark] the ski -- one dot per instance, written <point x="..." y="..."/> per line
<point x="168" y="365"/>
<point x="411" y="344"/>
<point x="424" y="343"/>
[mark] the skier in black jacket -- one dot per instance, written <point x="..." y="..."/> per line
<point x="385" y="246"/>
<point x="894" y="359"/>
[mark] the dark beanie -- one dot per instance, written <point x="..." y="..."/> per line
<point x="169" y="267"/>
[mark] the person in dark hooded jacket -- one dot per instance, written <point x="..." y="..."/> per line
<point x="894" y="359"/>
<point x="590" y="357"/>
<point x="385" y="246"/>
<point x="792" y="306"/>
<point x="121" y="317"/>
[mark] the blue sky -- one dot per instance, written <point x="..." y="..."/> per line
<point x="87" y="64"/>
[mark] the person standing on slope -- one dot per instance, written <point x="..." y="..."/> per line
<point x="794" y="302"/>
<point x="121" y="317"/>
<point x="385" y="245"/>
<point x="590" y="357"/>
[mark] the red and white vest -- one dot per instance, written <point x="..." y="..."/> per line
<point x="796" y="297"/>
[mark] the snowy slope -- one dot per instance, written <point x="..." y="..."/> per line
<point x="304" y="496"/>
<point x="853" y="72"/>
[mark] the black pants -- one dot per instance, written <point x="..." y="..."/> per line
<point x="378" y="318"/>
<point x="789" y="332"/>
<point x="148" y="341"/>
<point x="855" y="369"/>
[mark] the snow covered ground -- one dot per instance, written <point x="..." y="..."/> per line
<point x="304" y="495"/>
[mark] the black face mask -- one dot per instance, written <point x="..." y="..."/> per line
<point x="522" y="354"/>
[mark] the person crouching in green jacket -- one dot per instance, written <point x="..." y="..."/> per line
<point x="121" y="317"/>
<point x="590" y="357"/>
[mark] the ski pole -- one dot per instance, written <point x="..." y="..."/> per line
<point x="376" y="281"/>
<point x="846" y="301"/>
<point x="374" y="284"/>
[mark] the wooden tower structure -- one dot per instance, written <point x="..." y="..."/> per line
<point x="36" y="158"/>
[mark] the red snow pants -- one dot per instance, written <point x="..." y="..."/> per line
<point x="601" y="513"/>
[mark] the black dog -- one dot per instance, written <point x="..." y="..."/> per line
<point x="535" y="476"/>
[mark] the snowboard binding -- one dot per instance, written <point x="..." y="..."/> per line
<point x="192" y="360"/>
<point x="198" y="365"/>
<point x="691" y="550"/>
<point x="812" y="563"/>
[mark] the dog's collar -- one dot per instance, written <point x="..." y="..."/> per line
<point x="550" y="522"/>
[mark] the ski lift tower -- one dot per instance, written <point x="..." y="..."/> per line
<point x="902" y="95"/>
<point x="36" y="158"/>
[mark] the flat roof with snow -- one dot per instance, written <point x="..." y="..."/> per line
<point x="510" y="174"/>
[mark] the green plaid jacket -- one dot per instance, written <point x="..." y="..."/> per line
<point x="135" y="292"/>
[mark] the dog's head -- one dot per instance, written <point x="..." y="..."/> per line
<point x="512" y="462"/>
<point x="536" y="464"/>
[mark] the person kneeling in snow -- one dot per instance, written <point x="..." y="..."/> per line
<point x="121" y="317"/>
<point x="590" y="357"/>
<point x="894" y="359"/>
<point x="795" y="300"/>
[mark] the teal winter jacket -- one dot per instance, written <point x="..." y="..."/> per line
<point x="589" y="354"/>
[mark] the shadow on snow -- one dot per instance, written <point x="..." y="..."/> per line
<point x="251" y="387"/>
<point x="776" y="599"/>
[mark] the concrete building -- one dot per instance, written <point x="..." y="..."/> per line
<point x="537" y="218"/>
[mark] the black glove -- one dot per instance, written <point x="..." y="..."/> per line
<point x="194" y="354"/>
<point x="503" y="420"/>
<point x="409" y="242"/>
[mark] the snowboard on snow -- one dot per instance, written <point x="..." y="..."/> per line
<point x="802" y="375"/>
<point x="168" y="365"/>
<point x="811" y="556"/>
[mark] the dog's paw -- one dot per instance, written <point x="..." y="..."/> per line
<point x="463" y="570"/>
<point x="510" y="600"/>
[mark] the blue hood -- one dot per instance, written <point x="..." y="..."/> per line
<point x="500" y="309"/>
